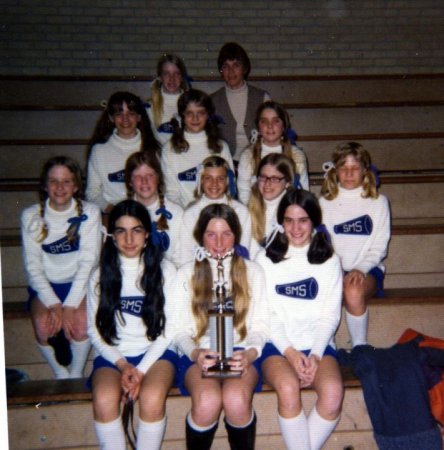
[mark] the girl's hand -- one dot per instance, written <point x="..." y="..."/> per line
<point x="301" y="364"/>
<point x="311" y="370"/>
<point x="130" y="380"/>
<point x="242" y="359"/>
<point x="55" y="319"/>
<point x="354" y="277"/>
<point x="204" y="358"/>
<point x="68" y="317"/>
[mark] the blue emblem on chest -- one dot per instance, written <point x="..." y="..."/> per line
<point x="304" y="289"/>
<point x="117" y="177"/>
<point x="165" y="128"/>
<point x="61" y="246"/>
<point x="132" y="305"/>
<point x="187" y="175"/>
<point x="362" y="226"/>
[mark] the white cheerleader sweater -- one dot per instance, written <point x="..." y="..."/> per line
<point x="191" y="214"/>
<point x="245" y="170"/>
<point x="359" y="227"/>
<point x="106" y="169"/>
<point x="257" y="321"/>
<point x="179" y="169"/>
<point x="55" y="259"/>
<point x="163" y="132"/>
<point x="131" y="332"/>
<point x="304" y="300"/>
<point x="271" y="207"/>
<point x="174" y="224"/>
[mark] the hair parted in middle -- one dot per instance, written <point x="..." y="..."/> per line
<point x="202" y="279"/>
<point x="199" y="98"/>
<point x="110" y="284"/>
<point x="320" y="248"/>
<point x="330" y="189"/>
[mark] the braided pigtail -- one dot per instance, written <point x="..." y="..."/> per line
<point x="44" y="229"/>
<point x="162" y="223"/>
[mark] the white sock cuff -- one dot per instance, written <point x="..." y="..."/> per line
<point x="148" y="425"/>
<point x="110" y="424"/>
<point x="299" y="418"/>
<point x="315" y="415"/>
<point x="196" y="427"/>
<point x="242" y="426"/>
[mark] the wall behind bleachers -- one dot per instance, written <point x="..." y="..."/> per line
<point x="126" y="37"/>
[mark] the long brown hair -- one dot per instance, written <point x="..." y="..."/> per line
<point x="202" y="280"/>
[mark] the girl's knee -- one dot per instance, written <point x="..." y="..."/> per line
<point x="152" y="403"/>
<point x="288" y="393"/>
<point x="331" y="397"/>
<point x="206" y="403"/>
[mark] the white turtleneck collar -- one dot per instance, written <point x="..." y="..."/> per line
<point x="127" y="144"/>
<point x="70" y="211"/>
<point x="196" y="138"/>
<point x="297" y="251"/>
<point x="350" y="192"/>
<point x="266" y="148"/>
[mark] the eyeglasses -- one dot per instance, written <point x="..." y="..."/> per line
<point x="272" y="180"/>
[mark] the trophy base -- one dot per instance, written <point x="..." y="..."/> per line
<point x="221" y="370"/>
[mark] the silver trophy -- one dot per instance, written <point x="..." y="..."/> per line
<point x="221" y="314"/>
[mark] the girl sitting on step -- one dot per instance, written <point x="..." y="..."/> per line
<point x="215" y="184"/>
<point x="272" y="135"/>
<point x="172" y="80"/>
<point x="61" y="246"/>
<point x="304" y="291"/>
<point x="145" y="183"/>
<point x="358" y="219"/>
<point x="219" y="265"/>
<point x="129" y="322"/>
<point x="195" y="137"/>
<point x="122" y="129"/>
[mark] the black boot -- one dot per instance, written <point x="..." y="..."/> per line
<point x="62" y="348"/>
<point x="242" y="438"/>
<point x="199" y="440"/>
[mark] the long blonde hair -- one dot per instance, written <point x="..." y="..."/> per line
<point x="330" y="189"/>
<point x="202" y="279"/>
<point x="156" y="86"/>
<point x="256" y="205"/>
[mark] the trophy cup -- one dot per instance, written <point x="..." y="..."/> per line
<point x="221" y="315"/>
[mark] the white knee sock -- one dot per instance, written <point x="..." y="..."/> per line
<point x="60" y="371"/>
<point x="295" y="432"/>
<point x="110" y="435"/>
<point x="319" y="429"/>
<point x="150" y="434"/>
<point x="80" y="351"/>
<point x="357" y="327"/>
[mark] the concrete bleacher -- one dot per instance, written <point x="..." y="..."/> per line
<point x="398" y="118"/>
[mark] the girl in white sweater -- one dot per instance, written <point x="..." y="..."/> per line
<point x="195" y="137"/>
<point x="215" y="184"/>
<point x="218" y="233"/>
<point x="358" y="219"/>
<point x="271" y="136"/>
<point x="122" y="129"/>
<point x="131" y="323"/>
<point x="275" y="174"/>
<point x="171" y="81"/>
<point x="61" y="246"/>
<point x="304" y="291"/>
<point x="144" y="183"/>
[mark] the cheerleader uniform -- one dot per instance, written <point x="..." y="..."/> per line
<point x="106" y="169"/>
<point x="57" y="269"/>
<point x="179" y="169"/>
<point x="245" y="169"/>
<point x="189" y="220"/>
